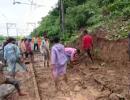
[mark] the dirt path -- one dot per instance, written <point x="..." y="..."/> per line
<point x="107" y="79"/>
<point x="99" y="81"/>
<point x="47" y="90"/>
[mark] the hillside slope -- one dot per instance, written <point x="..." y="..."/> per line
<point x="110" y="15"/>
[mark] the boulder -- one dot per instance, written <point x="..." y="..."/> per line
<point x="6" y="89"/>
<point x="115" y="96"/>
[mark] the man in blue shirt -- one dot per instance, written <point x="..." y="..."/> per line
<point x="12" y="56"/>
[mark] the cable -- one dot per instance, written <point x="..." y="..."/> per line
<point x="31" y="3"/>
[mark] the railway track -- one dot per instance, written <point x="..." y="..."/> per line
<point x="43" y="77"/>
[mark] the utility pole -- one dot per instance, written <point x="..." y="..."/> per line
<point x="62" y="19"/>
<point x="11" y="26"/>
<point x="7" y="29"/>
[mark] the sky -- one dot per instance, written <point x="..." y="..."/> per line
<point x="21" y="19"/>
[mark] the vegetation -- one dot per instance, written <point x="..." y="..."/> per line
<point x="2" y="38"/>
<point x="112" y="15"/>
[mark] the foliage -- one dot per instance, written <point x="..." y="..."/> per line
<point x="2" y="38"/>
<point x="89" y="14"/>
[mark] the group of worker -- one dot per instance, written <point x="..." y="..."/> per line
<point x="11" y="56"/>
<point x="15" y="53"/>
<point x="61" y="56"/>
<point x="58" y="56"/>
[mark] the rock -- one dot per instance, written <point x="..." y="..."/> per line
<point x="77" y="88"/>
<point x="121" y="97"/>
<point x="115" y="96"/>
<point x="103" y="64"/>
<point x="6" y="89"/>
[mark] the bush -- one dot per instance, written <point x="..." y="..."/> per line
<point x="126" y="13"/>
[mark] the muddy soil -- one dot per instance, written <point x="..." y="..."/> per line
<point x="106" y="79"/>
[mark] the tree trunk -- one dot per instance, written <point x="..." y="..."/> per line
<point x="62" y="19"/>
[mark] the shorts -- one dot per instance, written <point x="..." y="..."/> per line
<point x="45" y="53"/>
